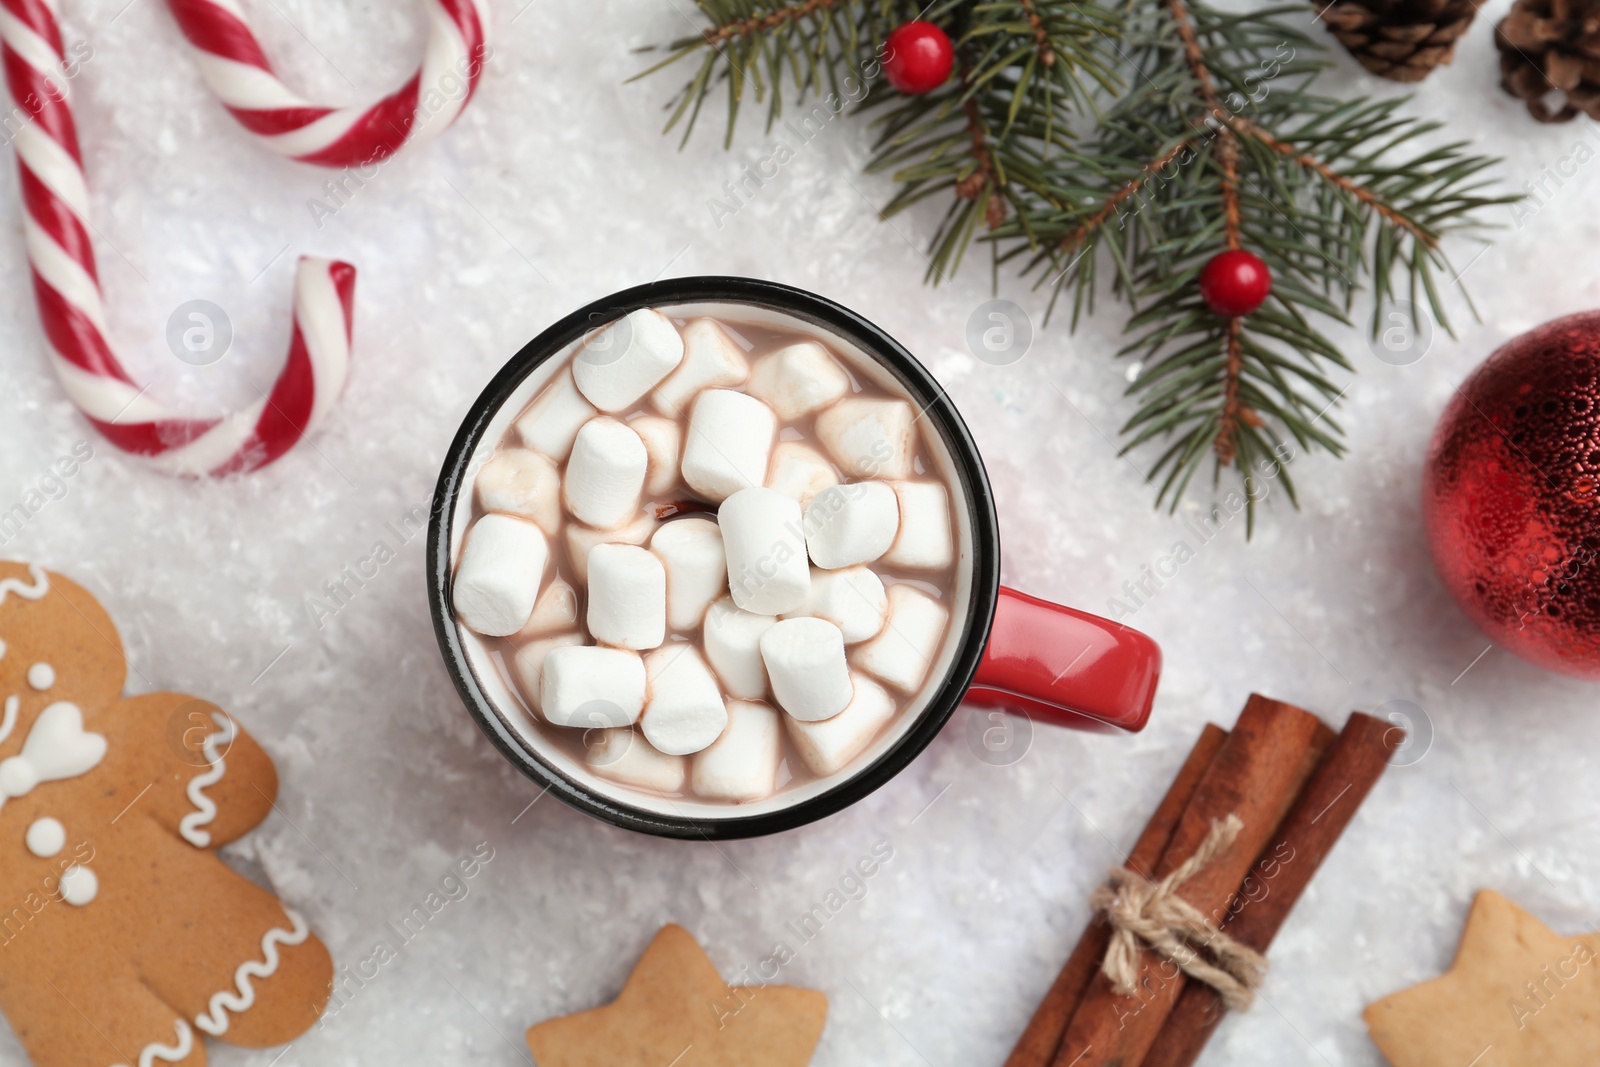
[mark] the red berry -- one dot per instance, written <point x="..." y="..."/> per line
<point x="917" y="57"/>
<point x="1235" y="283"/>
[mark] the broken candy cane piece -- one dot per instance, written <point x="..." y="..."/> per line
<point x="234" y="64"/>
<point x="72" y="307"/>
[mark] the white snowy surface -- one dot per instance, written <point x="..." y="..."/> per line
<point x="555" y="189"/>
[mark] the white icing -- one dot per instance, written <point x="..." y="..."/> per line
<point x="13" y="705"/>
<point x="2" y="650"/>
<point x="170" y="1053"/>
<point x="36" y="591"/>
<point x="46" y="837"/>
<point x="215" y="1022"/>
<point x="78" y="885"/>
<point x="57" y="747"/>
<point x="41" y="676"/>
<point x="205" y="807"/>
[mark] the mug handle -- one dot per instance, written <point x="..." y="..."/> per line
<point x="1066" y="666"/>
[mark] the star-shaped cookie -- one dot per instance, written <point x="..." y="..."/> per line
<point x="676" y="1009"/>
<point x="1517" y="995"/>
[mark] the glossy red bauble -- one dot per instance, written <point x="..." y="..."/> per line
<point x="1235" y="283"/>
<point x="1511" y="496"/>
<point x="917" y="57"/>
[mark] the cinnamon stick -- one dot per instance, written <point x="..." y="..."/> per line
<point x="1309" y="832"/>
<point x="1261" y="768"/>
<point x="1037" y="1045"/>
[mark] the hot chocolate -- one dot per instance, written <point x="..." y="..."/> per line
<point x="714" y="559"/>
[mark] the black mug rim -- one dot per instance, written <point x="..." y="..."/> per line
<point x="803" y="305"/>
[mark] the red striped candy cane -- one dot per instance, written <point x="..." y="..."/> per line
<point x="66" y="285"/>
<point x="236" y="67"/>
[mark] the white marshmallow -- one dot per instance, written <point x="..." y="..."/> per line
<point x="623" y="756"/>
<point x="589" y="687"/>
<point x="519" y="481"/>
<point x="924" y="541"/>
<point x="798" y="380"/>
<point x="663" y="439"/>
<point x="627" y="359"/>
<point x="581" y="540"/>
<point x="851" y="524"/>
<point x="764" y="541"/>
<point x="605" y="474"/>
<point x="903" y="652"/>
<point x="697" y="569"/>
<point x="732" y="640"/>
<point x="728" y="443"/>
<point x="711" y="360"/>
<point x="869" y="438"/>
<point x="555" y="611"/>
<point x="527" y="666"/>
<point x="805" y="660"/>
<point x="497" y="580"/>
<point x="554" y="418"/>
<point x="742" y="764"/>
<point x="627" y="597"/>
<point x="685" y="712"/>
<point x="800" y="471"/>
<point x="828" y="746"/>
<point x="853" y="599"/>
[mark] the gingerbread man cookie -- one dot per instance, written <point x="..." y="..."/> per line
<point x="123" y="938"/>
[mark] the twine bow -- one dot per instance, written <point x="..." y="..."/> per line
<point x="1145" y="913"/>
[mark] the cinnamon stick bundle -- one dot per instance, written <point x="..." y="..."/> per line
<point x="1269" y="755"/>
<point x="1308" y="834"/>
<point x="1037" y="1046"/>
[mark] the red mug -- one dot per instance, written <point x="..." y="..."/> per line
<point x="1005" y="648"/>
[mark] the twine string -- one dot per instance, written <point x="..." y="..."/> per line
<point x="1150" y="914"/>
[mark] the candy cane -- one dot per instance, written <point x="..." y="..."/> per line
<point x="236" y="67"/>
<point x="66" y="286"/>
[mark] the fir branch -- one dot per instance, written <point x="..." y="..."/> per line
<point x="1121" y="148"/>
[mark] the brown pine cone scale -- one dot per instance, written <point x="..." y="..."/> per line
<point x="1402" y="40"/>
<point x="1551" y="49"/>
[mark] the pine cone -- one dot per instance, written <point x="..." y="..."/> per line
<point x="1402" y="40"/>
<point x="1550" y="46"/>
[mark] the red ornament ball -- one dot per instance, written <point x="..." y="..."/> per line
<point x="1511" y="496"/>
<point x="917" y="57"/>
<point x="1235" y="283"/>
